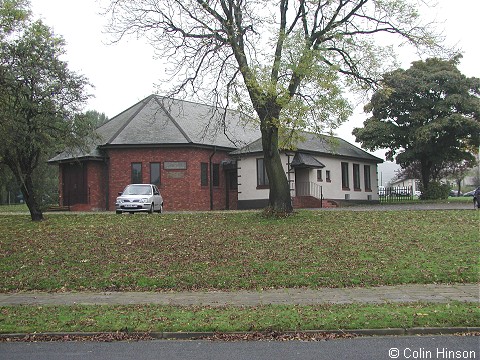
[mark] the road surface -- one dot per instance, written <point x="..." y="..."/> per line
<point x="408" y="347"/>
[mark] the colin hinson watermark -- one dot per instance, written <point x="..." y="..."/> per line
<point x="437" y="353"/>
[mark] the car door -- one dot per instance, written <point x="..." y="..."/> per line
<point x="157" y="199"/>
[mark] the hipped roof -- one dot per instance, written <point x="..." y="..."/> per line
<point x="160" y="121"/>
<point x="316" y="144"/>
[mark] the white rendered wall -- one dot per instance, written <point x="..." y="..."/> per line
<point x="247" y="172"/>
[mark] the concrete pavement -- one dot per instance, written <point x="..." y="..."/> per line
<point x="375" y="295"/>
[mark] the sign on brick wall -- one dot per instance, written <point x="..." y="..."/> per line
<point x="175" y="175"/>
<point x="175" y="165"/>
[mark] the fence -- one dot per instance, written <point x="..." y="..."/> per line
<point x="309" y="189"/>
<point x="394" y="194"/>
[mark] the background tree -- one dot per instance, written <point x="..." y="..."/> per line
<point x="426" y="115"/>
<point x="414" y="171"/>
<point x="9" y="189"/>
<point x="458" y="171"/>
<point x="96" y="117"/>
<point x="12" y="14"/>
<point x="39" y="102"/>
<point x="291" y="58"/>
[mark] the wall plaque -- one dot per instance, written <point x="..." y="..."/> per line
<point x="175" y="175"/>
<point x="175" y="165"/>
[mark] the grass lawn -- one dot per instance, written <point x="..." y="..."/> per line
<point x="15" y="208"/>
<point x="153" y="318"/>
<point x="237" y="250"/>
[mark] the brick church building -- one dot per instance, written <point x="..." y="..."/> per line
<point x="203" y="158"/>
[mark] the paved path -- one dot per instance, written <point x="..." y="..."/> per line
<point x="377" y="295"/>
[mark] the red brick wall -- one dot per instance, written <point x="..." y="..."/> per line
<point x="233" y="200"/>
<point x="96" y="180"/>
<point x="180" y="189"/>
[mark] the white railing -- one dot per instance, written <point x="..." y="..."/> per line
<point x="309" y="189"/>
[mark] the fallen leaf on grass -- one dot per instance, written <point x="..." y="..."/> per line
<point x="100" y="337"/>
<point x="278" y="336"/>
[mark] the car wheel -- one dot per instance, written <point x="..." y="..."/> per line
<point x="152" y="208"/>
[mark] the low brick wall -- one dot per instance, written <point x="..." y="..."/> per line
<point x="310" y="202"/>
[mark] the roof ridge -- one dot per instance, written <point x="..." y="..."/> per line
<point x="194" y="102"/>
<point x="358" y="148"/>
<point x="124" y="111"/>
<point x="144" y="103"/>
<point x="172" y="119"/>
<point x="352" y="151"/>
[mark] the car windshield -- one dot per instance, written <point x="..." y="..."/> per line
<point x="138" y="190"/>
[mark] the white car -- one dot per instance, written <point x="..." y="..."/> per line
<point x="139" y="197"/>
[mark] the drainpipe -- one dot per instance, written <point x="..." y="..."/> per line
<point x="211" y="176"/>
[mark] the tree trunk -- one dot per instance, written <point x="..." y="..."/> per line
<point x="280" y="200"/>
<point x="425" y="173"/>
<point x="459" y="186"/>
<point x="30" y="199"/>
<point x="23" y="174"/>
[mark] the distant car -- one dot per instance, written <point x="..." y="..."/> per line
<point x="138" y="198"/>
<point x="455" y="193"/>
<point x="417" y="193"/>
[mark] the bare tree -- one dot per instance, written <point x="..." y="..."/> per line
<point x="291" y="58"/>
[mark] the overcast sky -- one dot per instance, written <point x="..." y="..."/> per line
<point x="125" y="73"/>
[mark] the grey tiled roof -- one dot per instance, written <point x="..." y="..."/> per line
<point x="159" y="121"/>
<point x="318" y="144"/>
<point x="302" y="160"/>
<point x="92" y="152"/>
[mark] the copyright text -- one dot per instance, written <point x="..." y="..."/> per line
<point x="437" y="353"/>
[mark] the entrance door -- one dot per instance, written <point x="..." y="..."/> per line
<point x="231" y="184"/>
<point x="302" y="182"/>
<point x="74" y="184"/>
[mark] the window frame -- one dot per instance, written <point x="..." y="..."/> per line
<point x="204" y="174"/>
<point x="136" y="175"/>
<point x="262" y="176"/>
<point x="357" y="186"/>
<point x="345" y="176"/>
<point x="319" y="175"/>
<point x="159" y="169"/>
<point x="367" y="176"/>
<point x="328" y="177"/>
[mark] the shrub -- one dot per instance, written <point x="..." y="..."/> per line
<point x="435" y="191"/>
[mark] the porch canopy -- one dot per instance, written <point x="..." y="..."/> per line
<point x="305" y="161"/>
